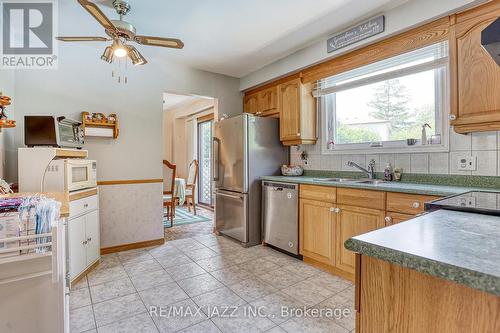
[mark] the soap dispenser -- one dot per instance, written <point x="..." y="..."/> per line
<point x="424" y="133"/>
<point x="388" y="172"/>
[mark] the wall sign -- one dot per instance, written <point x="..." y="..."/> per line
<point x="355" y="34"/>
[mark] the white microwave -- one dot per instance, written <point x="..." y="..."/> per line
<point x="71" y="175"/>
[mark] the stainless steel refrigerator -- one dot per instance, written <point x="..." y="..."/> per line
<point x="245" y="148"/>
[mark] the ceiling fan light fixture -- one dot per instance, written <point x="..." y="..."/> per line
<point x="136" y="57"/>
<point x="119" y="49"/>
<point x="108" y="54"/>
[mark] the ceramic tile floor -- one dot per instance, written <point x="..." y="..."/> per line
<point x="191" y="230"/>
<point x="209" y="284"/>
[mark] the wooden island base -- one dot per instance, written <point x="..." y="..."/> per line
<point x="390" y="298"/>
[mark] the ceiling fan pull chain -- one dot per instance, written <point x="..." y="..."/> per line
<point x="125" y="71"/>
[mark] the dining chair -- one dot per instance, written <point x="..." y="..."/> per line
<point x="169" y="201"/>
<point x="191" y="185"/>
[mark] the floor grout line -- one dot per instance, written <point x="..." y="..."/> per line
<point x="184" y="251"/>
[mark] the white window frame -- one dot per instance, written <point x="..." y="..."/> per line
<point x="399" y="146"/>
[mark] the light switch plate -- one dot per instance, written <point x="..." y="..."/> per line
<point x="467" y="163"/>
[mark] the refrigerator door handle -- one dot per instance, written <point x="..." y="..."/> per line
<point x="216" y="142"/>
<point x="229" y="196"/>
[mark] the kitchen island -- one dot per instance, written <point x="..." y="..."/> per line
<point x="436" y="273"/>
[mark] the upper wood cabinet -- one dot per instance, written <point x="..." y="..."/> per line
<point x="297" y="113"/>
<point x="292" y="102"/>
<point x="268" y="102"/>
<point x="475" y="77"/>
<point x="251" y="103"/>
<point x="263" y="103"/>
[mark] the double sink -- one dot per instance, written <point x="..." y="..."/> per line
<point x="349" y="180"/>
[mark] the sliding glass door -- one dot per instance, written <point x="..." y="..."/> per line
<point x="205" y="162"/>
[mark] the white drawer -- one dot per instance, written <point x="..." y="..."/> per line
<point x="82" y="206"/>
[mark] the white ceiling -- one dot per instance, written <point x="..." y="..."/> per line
<point x="171" y="101"/>
<point x="232" y="37"/>
<point x="190" y="103"/>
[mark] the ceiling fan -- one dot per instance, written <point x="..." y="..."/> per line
<point x="121" y="33"/>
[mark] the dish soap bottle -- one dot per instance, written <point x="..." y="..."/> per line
<point x="388" y="172"/>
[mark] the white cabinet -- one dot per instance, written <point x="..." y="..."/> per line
<point x="77" y="250"/>
<point x="92" y="232"/>
<point x="83" y="230"/>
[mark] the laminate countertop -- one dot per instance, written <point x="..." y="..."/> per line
<point x="62" y="197"/>
<point x="457" y="246"/>
<point x="400" y="187"/>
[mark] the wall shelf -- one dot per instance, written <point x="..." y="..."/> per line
<point x="104" y="127"/>
<point x="5" y="123"/>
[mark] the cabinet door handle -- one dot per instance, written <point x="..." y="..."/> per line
<point x="416" y="204"/>
<point x="332" y="209"/>
<point x="85" y="205"/>
<point x="336" y="210"/>
<point x="388" y="219"/>
<point x="84" y="243"/>
<point x="298" y="134"/>
<point x="89" y="239"/>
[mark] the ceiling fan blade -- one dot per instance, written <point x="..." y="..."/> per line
<point x="83" y="39"/>
<point x="158" y="41"/>
<point x="97" y="14"/>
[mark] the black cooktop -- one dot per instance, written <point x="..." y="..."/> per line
<point x="474" y="201"/>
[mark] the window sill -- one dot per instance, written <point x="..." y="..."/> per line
<point x="388" y="150"/>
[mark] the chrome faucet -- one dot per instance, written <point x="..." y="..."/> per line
<point x="370" y="172"/>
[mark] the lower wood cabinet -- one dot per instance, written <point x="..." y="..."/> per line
<point x="395" y="218"/>
<point x="317" y="230"/>
<point x="329" y="216"/>
<point x="353" y="221"/>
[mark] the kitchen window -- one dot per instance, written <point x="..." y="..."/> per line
<point x="383" y="106"/>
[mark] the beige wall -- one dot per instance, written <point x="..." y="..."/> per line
<point x="179" y="132"/>
<point x="138" y="152"/>
<point x="122" y="225"/>
<point x="398" y="19"/>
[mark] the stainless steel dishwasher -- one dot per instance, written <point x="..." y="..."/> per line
<point x="280" y="218"/>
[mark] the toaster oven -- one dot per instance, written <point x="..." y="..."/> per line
<point x="53" y="132"/>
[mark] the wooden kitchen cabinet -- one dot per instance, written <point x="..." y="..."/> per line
<point x="290" y="101"/>
<point x="297" y="109"/>
<point x="353" y="221"/>
<point x="392" y="298"/>
<point x="251" y="103"/>
<point x="475" y="77"/>
<point x="402" y="207"/>
<point x="268" y="102"/>
<point x="317" y="230"/>
<point x="263" y="103"/>
<point x="392" y="218"/>
<point x="411" y="204"/>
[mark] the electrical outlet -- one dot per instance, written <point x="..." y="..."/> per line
<point x="467" y="163"/>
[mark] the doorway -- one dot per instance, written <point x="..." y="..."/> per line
<point x="205" y="130"/>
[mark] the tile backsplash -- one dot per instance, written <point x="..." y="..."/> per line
<point x="484" y="146"/>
